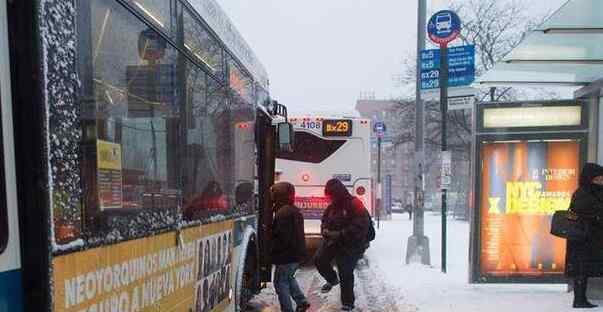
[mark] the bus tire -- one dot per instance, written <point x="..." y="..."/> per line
<point x="247" y="272"/>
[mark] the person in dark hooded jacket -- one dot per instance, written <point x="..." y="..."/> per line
<point x="345" y="224"/>
<point x="587" y="208"/>
<point x="288" y="247"/>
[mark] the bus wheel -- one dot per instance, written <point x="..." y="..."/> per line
<point x="249" y="283"/>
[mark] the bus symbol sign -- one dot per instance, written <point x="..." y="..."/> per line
<point x="444" y="27"/>
<point x="379" y="128"/>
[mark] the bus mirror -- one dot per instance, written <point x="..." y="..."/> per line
<point x="285" y="137"/>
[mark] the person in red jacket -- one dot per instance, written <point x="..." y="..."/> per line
<point x="344" y="227"/>
<point x="288" y="247"/>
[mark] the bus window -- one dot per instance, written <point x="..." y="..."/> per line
<point x="158" y="128"/>
<point x="156" y="11"/>
<point x="310" y="148"/>
<point x="201" y="44"/>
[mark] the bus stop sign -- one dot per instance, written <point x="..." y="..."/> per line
<point x="379" y="128"/>
<point x="444" y="27"/>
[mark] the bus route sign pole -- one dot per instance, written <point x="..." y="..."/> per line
<point x="444" y="27"/>
<point x="379" y="129"/>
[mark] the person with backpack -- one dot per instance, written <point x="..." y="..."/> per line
<point x="288" y="247"/>
<point x="347" y="231"/>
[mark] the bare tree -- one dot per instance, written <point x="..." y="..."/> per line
<point x="495" y="27"/>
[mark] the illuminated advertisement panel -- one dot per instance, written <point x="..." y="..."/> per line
<point x="522" y="184"/>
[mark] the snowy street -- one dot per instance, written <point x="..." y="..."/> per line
<point x="385" y="283"/>
<point x="370" y="296"/>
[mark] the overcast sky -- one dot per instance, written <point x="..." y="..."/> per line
<point x="322" y="54"/>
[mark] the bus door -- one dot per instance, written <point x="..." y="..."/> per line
<point x="266" y="158"/>
<point x="10" y="259"/>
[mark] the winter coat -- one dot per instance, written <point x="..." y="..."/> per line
<point x="585" y="258"/>
<point x="350" y="218"/>
<point x="288" y="240"/>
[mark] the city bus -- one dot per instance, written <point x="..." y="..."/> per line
<point x="138" y="142"/>
<point x="326" y="148"/>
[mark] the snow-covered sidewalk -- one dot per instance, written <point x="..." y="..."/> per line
<point x="385" y="283"/>
<point x="432" y="291"/>
<point x="371" y="294"/>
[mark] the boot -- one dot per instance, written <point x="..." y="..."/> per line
<point x="580" y="300"/>
<point x="328" y="286"/>
<point x="303" y="307"/>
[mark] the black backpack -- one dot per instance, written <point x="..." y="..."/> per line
<point x="370" y="234"/>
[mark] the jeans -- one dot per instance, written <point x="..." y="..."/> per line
<point x="346" y="263"/>
<point x="286" y="286"/>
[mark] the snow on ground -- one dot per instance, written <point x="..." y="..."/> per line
<point x="385" y="283"/>
<point x="371" y="294"/>
<point x="432" y="291"/>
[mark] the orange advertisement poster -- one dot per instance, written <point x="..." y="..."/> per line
<point x="190" y="271"/>
<point x="523" y="184"/>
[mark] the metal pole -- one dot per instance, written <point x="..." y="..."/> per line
<point x="418" y="244"/>
<point x="444" y="110"/>
<point x="379" y="184"/>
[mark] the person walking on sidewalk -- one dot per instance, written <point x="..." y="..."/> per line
<point x="344" y="228"/>
<point x="288" y="247"/>
<point x="587" y="208"/>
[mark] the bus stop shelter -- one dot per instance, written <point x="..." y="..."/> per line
<point x="564" y="51"/>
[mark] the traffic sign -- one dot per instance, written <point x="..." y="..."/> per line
<point x="379" y="128"/>
<point x="461" y="67"/>
<point x="444" y="27"/>
<point x="446" y="170"/>
<point x="461" y="103"/>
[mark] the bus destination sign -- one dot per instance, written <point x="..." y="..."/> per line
<point x="337" y="128"/>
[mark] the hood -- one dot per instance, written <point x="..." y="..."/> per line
<point x="337" y="190"/>
<point x="283" y="193"/>
<point x="589" y="172"/>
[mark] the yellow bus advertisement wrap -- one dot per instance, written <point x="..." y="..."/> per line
<point x="190" y="271"/>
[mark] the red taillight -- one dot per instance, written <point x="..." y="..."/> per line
<point x="305" y="177"/>
<point x="360" y="191"/>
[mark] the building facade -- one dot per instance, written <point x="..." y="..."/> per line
<point x="397" y="156"/>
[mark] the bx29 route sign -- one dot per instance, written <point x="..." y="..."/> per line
<point x="461" y="70"/>
<point x="337" y="128"/>
<point x="444" y="27"/>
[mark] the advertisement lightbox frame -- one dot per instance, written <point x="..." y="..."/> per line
<point x="486" y="136"/>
